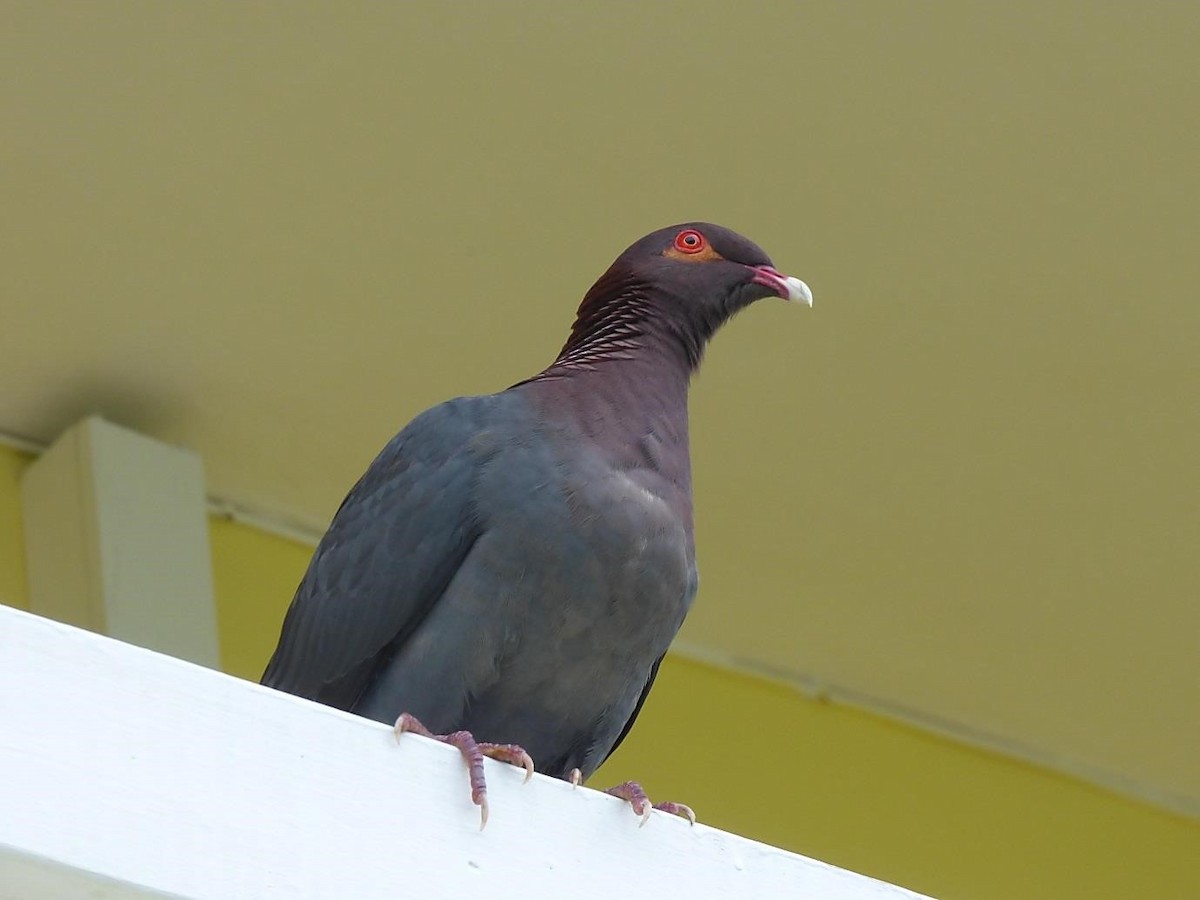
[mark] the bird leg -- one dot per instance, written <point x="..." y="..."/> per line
<point x="636" y="795"/>
<point x="473" y="752"/>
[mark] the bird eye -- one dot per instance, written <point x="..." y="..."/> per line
<point x="689" y="241"/>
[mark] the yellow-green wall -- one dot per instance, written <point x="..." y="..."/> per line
<point x="12" y="546"/>
<point x="760" y="759"/>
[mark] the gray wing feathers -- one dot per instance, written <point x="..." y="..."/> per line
<point x="395" y="543"/>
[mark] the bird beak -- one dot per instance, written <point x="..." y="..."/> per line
<point x="791" y="289"/>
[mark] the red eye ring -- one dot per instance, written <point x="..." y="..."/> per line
<point x="690" y="241"/>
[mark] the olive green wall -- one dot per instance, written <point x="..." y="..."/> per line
<point x="12" y="544"/>
<point x="762" y="760"/>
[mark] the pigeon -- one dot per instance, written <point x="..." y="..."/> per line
<point x="510" y="570"/>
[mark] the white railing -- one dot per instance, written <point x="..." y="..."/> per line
<point x="126" y="773"/>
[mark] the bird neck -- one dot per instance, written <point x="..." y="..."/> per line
<point x="622" y="379"/>
<point x="632" y="410"/>
<point x="620" y="327"/>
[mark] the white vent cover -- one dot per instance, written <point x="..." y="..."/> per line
<point x="116" y="540"/>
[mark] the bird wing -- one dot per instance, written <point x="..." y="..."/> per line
<point x="394" y="544"/>
<point x="637" y="709"/>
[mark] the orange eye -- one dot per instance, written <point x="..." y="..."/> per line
<point x="689" y="241"/>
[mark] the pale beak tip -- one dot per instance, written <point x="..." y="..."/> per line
<point x="798" y="291"/>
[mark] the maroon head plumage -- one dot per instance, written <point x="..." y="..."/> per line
<point x="675" y="287"/>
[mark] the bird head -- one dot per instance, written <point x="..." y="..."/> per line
<point x="673" y="288"/>
<point x="709" y="264"/>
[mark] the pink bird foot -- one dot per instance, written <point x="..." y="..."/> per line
<point x="636" y="795"/>
<point x="473" y="752"/>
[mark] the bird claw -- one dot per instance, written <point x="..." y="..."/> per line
<point x="511" y="754"/>
<point x="677" y="809"/>
<point x="635" y="794"/>
<point x="575" y="777"/>
<point x="473" y="752"/>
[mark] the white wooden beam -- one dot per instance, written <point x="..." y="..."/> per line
<point x="126" y="773"/>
